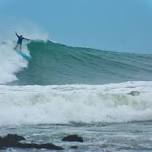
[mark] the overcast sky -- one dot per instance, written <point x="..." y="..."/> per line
<point x="122" y="25"/>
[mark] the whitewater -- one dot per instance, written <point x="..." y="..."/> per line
<point x="123" y="102"/>
<point x="102" y="95"/>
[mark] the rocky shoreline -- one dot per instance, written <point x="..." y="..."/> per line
<point x="17" y="141"/>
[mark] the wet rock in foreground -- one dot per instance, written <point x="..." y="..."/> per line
<point x="74" y="147"/>
<point x="73" y="138"/>
<point x="13" y="140"/>
<point x="10" y="140"/>
<point x="39" y="146"/>
<point x="134" y="93"/>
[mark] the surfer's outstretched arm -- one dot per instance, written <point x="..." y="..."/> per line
<point x="16" y="34"/>
<point x="26" y="39"/>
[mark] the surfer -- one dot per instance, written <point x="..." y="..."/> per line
<point x="19" y="41"/>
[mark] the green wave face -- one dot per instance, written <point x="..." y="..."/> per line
<point x="54" y="63"/>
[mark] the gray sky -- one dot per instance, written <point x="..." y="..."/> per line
<point x="121" y="25"/>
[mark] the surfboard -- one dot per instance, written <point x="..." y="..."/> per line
<point x="23" y="55"/>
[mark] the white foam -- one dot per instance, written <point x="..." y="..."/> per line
<point x="78" y="103"/>
<point x="10" y="63"/>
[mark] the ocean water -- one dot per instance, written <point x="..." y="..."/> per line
<point x="103" y="96"/>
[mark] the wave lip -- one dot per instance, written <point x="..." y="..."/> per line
<point x="75" y="103"/>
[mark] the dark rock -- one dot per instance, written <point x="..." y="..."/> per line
<point x="74" y="147"/>
<point x="134" y="93"/>
<point x="14" y="141"/>
<point x="39" y="146"/>
<point x="10" y="140"/>
<point x="73" y="138"/>
<point x="14" y="137"/>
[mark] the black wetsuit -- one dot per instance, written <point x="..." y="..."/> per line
<point x="20" y="39"/>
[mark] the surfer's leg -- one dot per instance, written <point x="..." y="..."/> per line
<point x="20" y="47"/>
<point x="16" y="46"/>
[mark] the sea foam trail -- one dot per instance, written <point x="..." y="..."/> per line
<point x="131" y="101"/>
<point x="10" y="63"/>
